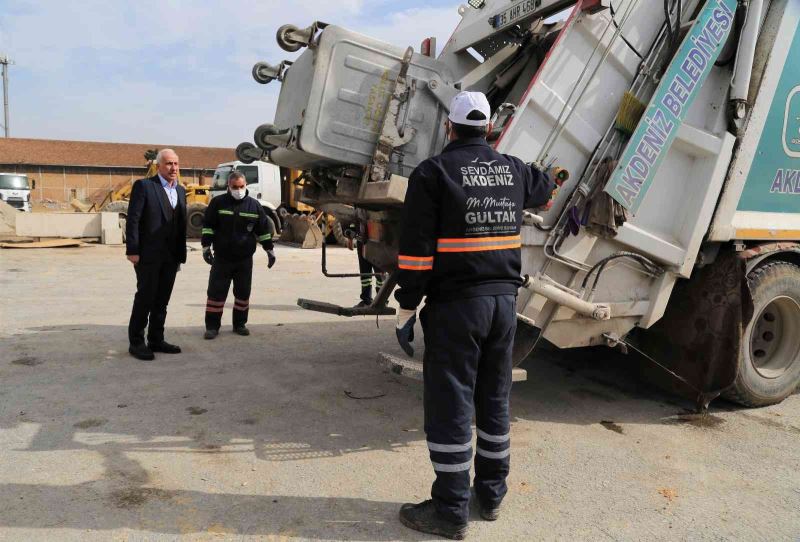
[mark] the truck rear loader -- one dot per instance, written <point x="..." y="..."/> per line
<point x="675" y="128"/>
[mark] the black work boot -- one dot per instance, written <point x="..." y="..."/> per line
<point x="363" y="303"/>
<point x="210" y="334"/>
<point x="241" y="330"/>
<point x="488" y="513"/>
<point x="424" y="518"/>
<point x="140" y="351"/>
<point x="164" y="347"/>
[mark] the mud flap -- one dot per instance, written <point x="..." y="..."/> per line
<point x="700" y="334"/>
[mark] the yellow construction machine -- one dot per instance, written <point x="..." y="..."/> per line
<point x="303" y="224"/>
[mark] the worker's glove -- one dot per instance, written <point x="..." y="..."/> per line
<point x="270" y="258"/>
<point x="405" y="329"/>
<point x="208" y="256"/>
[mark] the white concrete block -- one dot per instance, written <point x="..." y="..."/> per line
<point x="74" y="225"/>
<point x="110" y="230"/>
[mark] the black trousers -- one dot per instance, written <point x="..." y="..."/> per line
<point x="154" y="282"/>
<point x="467" y="370"/>
<point x="219" y="282"/>
<point x="365" y="267"/>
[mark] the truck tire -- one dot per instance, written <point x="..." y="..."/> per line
<point x="275" y="233"/>
<point x="121" y="208"/>
<point x="769" y="359"/>
<point x="274" y="218"/>
<point x="194" y="220"/>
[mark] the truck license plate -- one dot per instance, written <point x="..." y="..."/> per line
<point x="517" y="11"/>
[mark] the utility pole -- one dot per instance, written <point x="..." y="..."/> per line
<point x="4" y="62"/>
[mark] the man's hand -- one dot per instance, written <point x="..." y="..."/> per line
<point x="270" y="258"/>
<point x="405" y="329"/>
<point x="133" y="258"/>
<point x="208" y="256"/>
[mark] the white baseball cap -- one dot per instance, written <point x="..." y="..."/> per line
<point x="465" y="103"/>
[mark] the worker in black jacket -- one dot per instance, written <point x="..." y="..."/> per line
<point x="233" y="224"/>
<point x="460" y="248"/>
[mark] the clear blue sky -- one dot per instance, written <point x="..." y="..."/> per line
<point x="172" y="72"/>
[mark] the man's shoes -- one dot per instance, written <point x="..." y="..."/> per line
<point x="424" y="518"/>
<point x="210" y="333"/>
<point x="242" y="330"/>
<point x="362" y="304"/>
<point x="140" y="351"/>
<point x="164" y="347"/>
<point x="489" y="514"/>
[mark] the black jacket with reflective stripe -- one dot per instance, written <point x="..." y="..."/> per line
<point x="461" y="223"/>
<point x="234" y="227"/>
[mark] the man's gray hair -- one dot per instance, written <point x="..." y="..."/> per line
<point x="160" y="155"/>
<point x="236" y="174"/>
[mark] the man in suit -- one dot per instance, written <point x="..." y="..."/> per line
<point x="156" y="246"/>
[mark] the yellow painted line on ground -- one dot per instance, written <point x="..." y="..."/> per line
<point x="767" y="234"/>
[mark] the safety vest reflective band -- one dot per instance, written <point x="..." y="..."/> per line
<point x="265" y="237"/>
<point x="415" y="263"/>
<point x="478" y="244"/>
<point x="207" y="231"/>
<point x="225" y="212"/>
<point x="249" y="215"/>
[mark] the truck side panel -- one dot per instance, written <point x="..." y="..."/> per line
<point x="762" y="196"/>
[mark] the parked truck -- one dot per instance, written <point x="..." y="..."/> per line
<point x="15" y="189"/>
<point x="677" y="230"/>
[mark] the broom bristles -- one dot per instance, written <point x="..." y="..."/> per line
<point x="629" y="114"/>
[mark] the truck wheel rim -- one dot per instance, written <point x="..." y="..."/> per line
<point x="774" y="347"/>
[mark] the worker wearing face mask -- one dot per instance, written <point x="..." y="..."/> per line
<point x="234" y="222"/>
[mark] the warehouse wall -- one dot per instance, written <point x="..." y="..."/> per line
<point x="62" y="183"/>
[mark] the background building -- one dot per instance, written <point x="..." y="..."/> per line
<point x="89" y="170"/>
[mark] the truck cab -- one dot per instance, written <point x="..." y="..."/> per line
<point x="263" y="181"/>
<point x="15" y="189"/>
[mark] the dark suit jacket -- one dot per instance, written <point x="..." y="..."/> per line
<point x="146" y="229"/>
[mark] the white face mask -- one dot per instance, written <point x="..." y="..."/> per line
<point x="238" y="193"/>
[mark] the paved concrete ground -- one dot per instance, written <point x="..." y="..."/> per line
<point x="257" y="438"/>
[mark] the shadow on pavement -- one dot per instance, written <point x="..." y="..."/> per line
<point x="278" y="395"/>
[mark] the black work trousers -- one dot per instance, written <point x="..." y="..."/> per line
<point x="364" y="267"/>
<point x="467" y="370"/>
<point x="219" y="282"/>
<point x="154" y="282"/>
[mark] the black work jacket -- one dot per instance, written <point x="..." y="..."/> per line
<point x="234" y="227"/>
<point x="461" y="223"/>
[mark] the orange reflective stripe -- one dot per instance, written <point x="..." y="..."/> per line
<point x="478" y="244"/>
<point x="415" y="263"/>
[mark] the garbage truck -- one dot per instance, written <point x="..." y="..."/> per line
<point x="674" y="126"/>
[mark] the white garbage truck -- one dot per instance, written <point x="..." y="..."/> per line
<point x="674" y="126"/>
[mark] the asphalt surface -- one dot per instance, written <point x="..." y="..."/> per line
<point x="295" y="433"/>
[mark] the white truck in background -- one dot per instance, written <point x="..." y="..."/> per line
<point x="15" y="190"/>
<point x="676" y="232"/>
